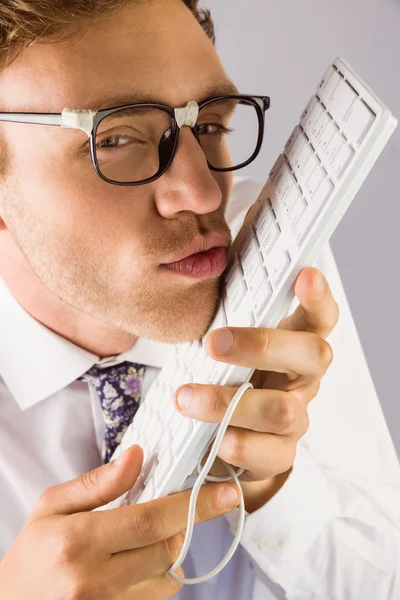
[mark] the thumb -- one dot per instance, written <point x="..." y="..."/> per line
<point x="92" y="489"/>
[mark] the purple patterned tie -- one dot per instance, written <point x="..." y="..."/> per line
<point x="119" y="388"/>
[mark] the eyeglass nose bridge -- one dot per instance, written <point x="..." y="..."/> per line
<point x="187" y="115"/>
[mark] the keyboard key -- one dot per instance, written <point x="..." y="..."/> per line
<point x="322" y="193"/>
<point x="180" y="434"/>
<point x="308" y="110"/>
<point x="260" y="278"/>
<point x="164" y="443"/>
<point x="270" y="237"/>
<point x="234" y="261"/>
<point x="279" y="160"/>
<point x="250" y="257"/>
<point x="149" y="469"/>
<point x="308" y="168"/>
<point x="193" y="353"/>
<point x="314" y="181"/>
<point x="313" y="118"/>
<point x="327" y="90"/>
<point x="218" y="373"/>
<point x="253" y="263"/>
<point x="261" y="299"/>
<point x="236" y="290"/>
<point x="263" y="225"/>
<point x="326" y="136"/>
<point x="282" y="181"/>
<point x="297" y="211"/>
<point x="296" y="146"/>
<point x="358" y="122"/>
<point x="219" y="319"/>
<point x="241" y="318"/>
<point x="277" y="265"/>
<point x="148" y="494"/>
<point x="333" y="147"/>
<point x="342" y="160"/>
<point x="166" y="460"/>
<point x="136" y="491"/>
<point x="319" y="127"/>
<point x="325" y="80"/>
<point x="302" y="158"/>
<point x="291" y="197"/>
<point x="341" y="101"/>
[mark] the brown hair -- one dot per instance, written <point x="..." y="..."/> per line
<point x="24" y="22"/>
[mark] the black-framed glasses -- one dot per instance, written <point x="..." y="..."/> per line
<point x="135" y="144"/>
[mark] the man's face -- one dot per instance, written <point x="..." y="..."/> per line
<point x="95" y="245"/>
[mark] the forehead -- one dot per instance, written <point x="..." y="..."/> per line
<point x="152" y="47"/>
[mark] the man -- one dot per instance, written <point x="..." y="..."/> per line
<point x="86" y="293"/>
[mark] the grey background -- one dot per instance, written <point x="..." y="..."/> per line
<point x="281" y="48"/>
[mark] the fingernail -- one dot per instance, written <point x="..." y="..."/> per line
<point x="185" y="397"/>
<point x="319" y="284"/>
<point x="229" y="496"/>
<point x="222" y="341"/>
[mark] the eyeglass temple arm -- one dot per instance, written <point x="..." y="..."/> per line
<point x="73" y="119"/>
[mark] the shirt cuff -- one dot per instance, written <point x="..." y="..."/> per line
<point x="288" y="524"/>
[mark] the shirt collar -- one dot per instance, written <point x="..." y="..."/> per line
<point x="36" y="362"/>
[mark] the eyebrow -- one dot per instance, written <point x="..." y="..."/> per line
<point x="105" y="101"/>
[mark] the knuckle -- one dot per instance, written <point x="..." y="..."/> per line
<point x="265" y="340"/>
<point x="286" y="414"/>
<point x="174" y="545"/>
<point x="78" y="588"/>
<point x="90" y="480"/>
<point x="234" y="447"/>
<point x="322" y="353"/>
<point x="215" y="400"/>
<point x="46" y="498"/>
<point x="172" y="586"/>
<point x="66" y="543"/>
<point x="149" y="523"/>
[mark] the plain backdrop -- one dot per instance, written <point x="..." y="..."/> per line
<point x="281" y="48"/>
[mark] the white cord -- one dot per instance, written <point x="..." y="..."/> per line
<point x="195" y="491"/>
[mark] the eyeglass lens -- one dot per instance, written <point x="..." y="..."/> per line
<point x="133" y="143"/>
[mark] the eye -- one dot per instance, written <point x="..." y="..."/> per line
<point x="113" y="141"/>
<point x="213" y="129"/>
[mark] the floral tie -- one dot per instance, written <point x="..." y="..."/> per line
<point x="119" y="389"/>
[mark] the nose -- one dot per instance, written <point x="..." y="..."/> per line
<point x="188" y="184"/>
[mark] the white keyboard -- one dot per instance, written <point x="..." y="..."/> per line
<point x="340" y="135"/>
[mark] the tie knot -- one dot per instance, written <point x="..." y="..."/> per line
<point x="126" y="375"/>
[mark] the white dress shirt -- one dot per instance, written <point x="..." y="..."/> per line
<point x="333" y="530"/>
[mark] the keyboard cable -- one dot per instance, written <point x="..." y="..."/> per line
<point x="203" y="476"/>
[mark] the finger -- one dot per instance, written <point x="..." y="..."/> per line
<point x="139" y="525"/>
<point x="263" y="410"/>
<point x="261" y="454"/>
<point x="292" y="352"/>
<point x="318" y="312"/>
<point x="160" y="588"/>
<point x="128" y="568"/>
<point x="93" y="489"/>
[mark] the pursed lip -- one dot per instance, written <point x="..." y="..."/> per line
<point x="202" y="244"/>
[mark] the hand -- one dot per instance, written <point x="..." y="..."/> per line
<point x="65" y="552"/>
<point x="268" y="422"/>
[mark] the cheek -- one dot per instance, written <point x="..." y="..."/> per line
<point x="66" y="212"/>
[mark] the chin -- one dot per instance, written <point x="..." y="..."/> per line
<point x="177" y="324"/>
